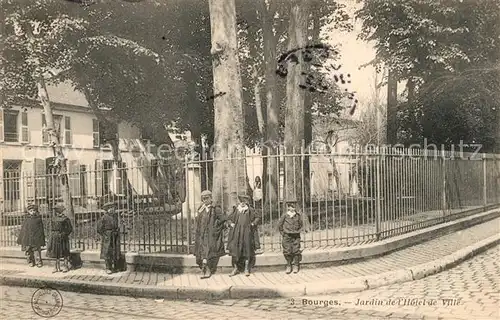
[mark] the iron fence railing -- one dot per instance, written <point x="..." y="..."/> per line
<point x="345" y="199"/>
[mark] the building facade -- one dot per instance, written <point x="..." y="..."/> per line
<point x="27" y="158"/>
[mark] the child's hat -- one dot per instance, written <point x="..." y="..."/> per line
<point x="109" y="205"/>
<point x="32" y="207"/>
<point x="59" y="208"/>
<point x="206" y="193"/>
<point x="291" y="200"/>
<point x="243" y="195"/>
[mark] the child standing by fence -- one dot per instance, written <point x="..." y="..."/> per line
<point x="241" y="242"/>
<point x="58" y="247"/>
<point x="108" y="228"/>
<point x="32" y="236"/>
<point x="290" y="226"/>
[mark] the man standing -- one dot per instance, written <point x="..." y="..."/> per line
<point x="109" y="230"/>
<point x="209" y="244"/>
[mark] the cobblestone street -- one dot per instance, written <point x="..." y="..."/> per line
<point x="468" y="291"/>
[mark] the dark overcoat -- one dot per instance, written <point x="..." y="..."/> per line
<point x="241" y="242"/>
<point x="209" y="236"/>
<point x="32" y="234"/>
<point x="59" y="246"/>
<point x="109" y="230"/>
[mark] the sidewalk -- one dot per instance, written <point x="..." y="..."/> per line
<point x="404" y="265"/>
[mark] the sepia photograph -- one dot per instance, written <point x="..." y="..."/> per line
<point x="250" y="159"/>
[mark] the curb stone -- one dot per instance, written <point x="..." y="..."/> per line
<point x="404" y="275"/>
<point x="273" y="261"/>
<point x="246" y="292"/>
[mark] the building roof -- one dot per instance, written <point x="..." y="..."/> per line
<point x="65" y="93"/>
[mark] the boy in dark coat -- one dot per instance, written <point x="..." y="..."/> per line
<point x="32" y="236"/>
<point x="59" y="246"/>
<point x="290" y="225"/>
<point x="209" y="244"/>
<point x="241" y="243"/>
<point x="109" y="230"/>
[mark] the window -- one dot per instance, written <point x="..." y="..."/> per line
<point x="107" y="175"/>
<point x="10" y="126"/>
<point x="57" y="127"/>
<point x="121" y="178"/>
<point x="11" y="180"/>
<point x="96" y="141"/>
<point x="67" y="131"/>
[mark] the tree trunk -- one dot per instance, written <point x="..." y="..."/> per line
<point x="295" y="97"/>
<point x="61" y="164"/>
<point x="258" y="105"/>
<point x="377" y="86"/>
<point x="308" y="120"/>
<point x="270" y="152"/>
<point x="497" y="139"/>
<point x="61" y="161"/>
<point x="230" y="176"/>
<point x="410" y="86"/>
<point x="392" y="108"/>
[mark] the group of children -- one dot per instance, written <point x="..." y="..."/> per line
<point x="243" y="239"/>
<point x="32" y="237"/>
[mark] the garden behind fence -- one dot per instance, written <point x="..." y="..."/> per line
<point x="345" y="199"/>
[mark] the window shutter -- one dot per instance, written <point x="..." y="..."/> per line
<point x="98" y="178"/>
<point x="40" y="179"/>
<point x="74" y="178"/>
<point x="28" y="181"/>
<point x="45" y="135"/>
<point x="67" y="131"/>
<point x="53" y="183"/>
<point x="1" y="125"/>
<point x="25" y="133"/>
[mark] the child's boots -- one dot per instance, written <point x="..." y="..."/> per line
<point x="296" y="264"/>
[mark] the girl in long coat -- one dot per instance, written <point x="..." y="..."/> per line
<point x="109" y="229"/>
<point x="32" y="236"/>
<point x="241" y="243"/>
<point x="58" y="247"/>
<point x="209" y="244"/>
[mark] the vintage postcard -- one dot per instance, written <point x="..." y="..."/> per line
<point x="250" y="159"/>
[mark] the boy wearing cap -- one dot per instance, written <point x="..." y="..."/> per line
<point x="241" y="242"/>
<point x="109" y="230"/>
<point x="209" y="242"/>
<point x="32" y="236"/>
<point x="59" y="246"/>
<point x="290" y="225"/>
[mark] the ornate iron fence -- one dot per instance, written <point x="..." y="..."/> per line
<point x="345" y="199"/>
